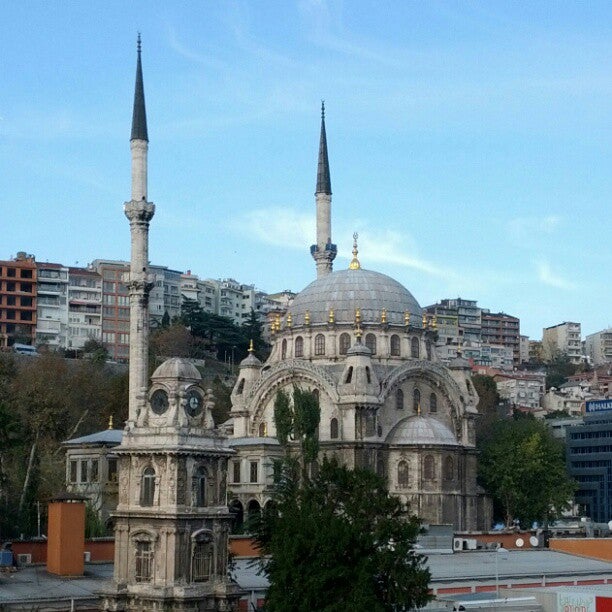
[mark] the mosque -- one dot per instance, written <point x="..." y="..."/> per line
<point x="362" y="344"/>
<point x="357" y="339"/>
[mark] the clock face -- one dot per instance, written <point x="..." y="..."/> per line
<point x="194" y="404"/>
<point x="159" y="402"/>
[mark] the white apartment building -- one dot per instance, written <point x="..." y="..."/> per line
<point x="84" y="307"/>
<point x="522" y="390"/>
<point x="598" y="346"/>
<point x="165" y="296"/>
<point x="52" y="305"/>
<point x="524" y="349"/>
<point x="564" y="338"/>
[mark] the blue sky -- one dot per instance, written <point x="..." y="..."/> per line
<point x="470" y="143"/>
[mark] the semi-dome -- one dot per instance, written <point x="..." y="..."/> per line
<point x="344" y="291"/>
<point x="177" y="367"/>
<point x="421" y="430"/>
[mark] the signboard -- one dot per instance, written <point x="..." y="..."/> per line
<point x="575" y="602"/>
<point x="599" y="405"/>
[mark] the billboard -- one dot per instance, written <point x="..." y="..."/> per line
<point x="599" y="405"/>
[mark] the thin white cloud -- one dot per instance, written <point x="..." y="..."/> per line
<point x="523" y="226"/>
<point x="548" y="277"/>
<point x="182" y="49"/>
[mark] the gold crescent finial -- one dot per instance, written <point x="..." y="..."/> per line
<point x="332" y="317"/>
<point x="110" y="421"/>
<point x="307" y="317"/>
<point x="383" y="316"/>
<point x="355" y="265"/>
<point x="289" y="320"/>
<point x="406" y="318"/>
<point x="251" y="347"/>
<point x="424" y="320"/>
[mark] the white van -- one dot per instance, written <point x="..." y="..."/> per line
<point x="24" y="349"/>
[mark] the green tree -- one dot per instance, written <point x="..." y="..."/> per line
<point x="488" y="406"/>
<point x="523" y="467"/>
<point x="334" y="539"/>
<point x="558" y="369"/>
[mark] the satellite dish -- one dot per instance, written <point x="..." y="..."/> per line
<point x="534" y="541"/>
<point x="520" y="542"/>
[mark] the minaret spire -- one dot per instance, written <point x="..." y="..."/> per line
<point x="324" y="251"/>
<point x="139" y="211"/>
<point x="323" y="178"/>
<point x="139" y="115"/>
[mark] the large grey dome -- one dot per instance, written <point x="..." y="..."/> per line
<point x="346" y="290"/>
<point x="421" y="430"/>
<point x="177" y="367"/>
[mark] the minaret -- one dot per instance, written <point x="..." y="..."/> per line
<point x="139" y="212"/>
<point x="323" y="252"/>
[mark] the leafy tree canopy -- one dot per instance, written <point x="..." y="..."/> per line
<point x="523" y="467"/>
<point x="334" y="539"/>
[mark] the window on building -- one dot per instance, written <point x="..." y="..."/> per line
<point x="395" y="346"/>
<point x="93" y="475"/>
<point x="403" y="475"/>
<point x="240" y="387"/>
<point x="449" y="468"/>
<point x="345" y="343"/>
<point x="416" y="400"/>
<point x="299" y="346"/>
<point x="433" y="403"/>
<point x="428" y="467"/>
<point x="236" y="471"/>
<point x="368" y="375"/>
<point x="399" y="399"/>
<point x="83" y="474"/>
<point x="284" y="349"/>
<point x="143" y="561"/>
<point x="333" y="429"/>
<point x="319" y="344"/>
<point x="370" y="342"/>
<point x="112" y="470"/>
<point x="414" y="348"/>
<point x="147" y="491"/>
<point x="254" y="472"/>
<point x="263" y="429"/>
<point x="199" y="486"/>
<point x="349" y="375"/>
<point x="428" y="349"/>
<point x="74" y="467"/>
<point x="202" y="560"/>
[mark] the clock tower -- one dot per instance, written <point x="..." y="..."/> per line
<point x="172" y="520"/>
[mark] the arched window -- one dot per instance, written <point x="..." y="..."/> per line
<point x="199" y="486"/>
<point x="333" y="429"/>
<point x="253" y="509"/>
<point x="449" y="468"/>
<point x="370" y="342"/>
<point x="319" y="343"/>
<point x="428" y="467"/>
<point x="414" y="348"/>
<point x="147" y="487"/>
<point x="263" y="429"/>
<point x="433" y="403"/>
<point x="349" y="375"/>
<point x="240" y="387"/>
<point x="416" y="400"/>
<point x="202" y="558"/>
<point x="284" y="349"/>
<point x="237" y="512"/>
<point x="399" y="399"/>
<point x="395" y="346"/>
<point x="368" y="375"/>
<point x="299" y="346"/>
<point x="428" y="349"/>
<point x="345" y="343"/>
<point x="403" y="475"/>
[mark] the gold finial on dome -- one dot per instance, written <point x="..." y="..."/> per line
<point x="358" y="332"/>
<point x="406" y="318"/>
<point x="434" y="322"/>
<point x="355" y="265"/>
<point x="110" y="421"/>
<point x="383" y="316"/>
<point x="251" y="347"/>
<point x="277" y="323"/>
<point x="424" y="320"/>
<point x="307" y="317"/>
<point x="289" y="319"/>
<point x="419" y="409"/>
<point x="358" y="316"/>
<point x="332" y="317"/>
